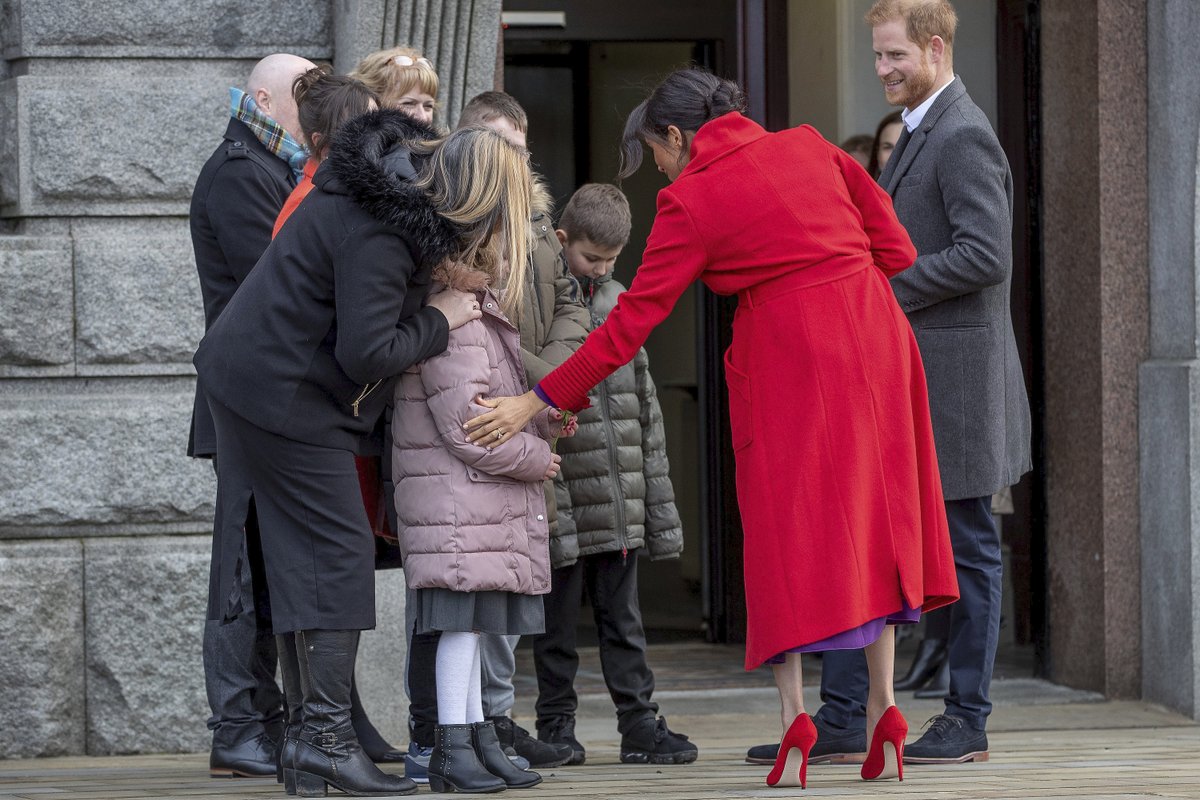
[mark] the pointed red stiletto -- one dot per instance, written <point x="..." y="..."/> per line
<point x="798" y="740"/>
<point x="886" y="757"/>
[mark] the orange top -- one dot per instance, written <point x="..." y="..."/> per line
<point x="299" y="193"/>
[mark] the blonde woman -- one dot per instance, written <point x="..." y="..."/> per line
<point x="403" y="79"/>
<point x="472" y="519"/>
<point x="299" y="368"/>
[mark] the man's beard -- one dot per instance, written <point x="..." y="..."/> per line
<point x="916" y="86"/>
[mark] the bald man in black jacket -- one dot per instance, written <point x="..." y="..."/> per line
<point x="237" y="197"/>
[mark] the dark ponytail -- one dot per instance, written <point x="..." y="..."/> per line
<point x="687" y="99"/>
<point x="324" y="101"/>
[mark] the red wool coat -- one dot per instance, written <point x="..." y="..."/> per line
<point x="837" y="477"/>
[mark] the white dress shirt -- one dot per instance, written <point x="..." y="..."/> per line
<point x="913" y="118"/>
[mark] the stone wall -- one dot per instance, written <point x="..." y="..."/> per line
<point x="106" y="115"/>
<point x="1170" y="377"/>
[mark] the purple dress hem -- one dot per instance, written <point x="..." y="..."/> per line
<point x="855" y="638"/>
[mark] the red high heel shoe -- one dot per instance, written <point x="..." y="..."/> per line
<point x="886" y="757"/>
<point x="798" y="740"/>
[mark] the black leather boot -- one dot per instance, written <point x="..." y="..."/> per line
<point x="938" y="687"/>
<point x="930" y="655"/>
<point x="327" y="753"/>
<point x="491" y="755"/>
<point x="454" y="765"/>
<point x="369" y="737"/>
<point x="293" y="703"/>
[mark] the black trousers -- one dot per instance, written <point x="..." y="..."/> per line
<point x="610" y="580"/>
<point x="239" y="660"/>
<point x="973" y="636"/>
<point x="317" y="547"/>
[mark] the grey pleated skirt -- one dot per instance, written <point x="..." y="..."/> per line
<point x="505" y="613"/>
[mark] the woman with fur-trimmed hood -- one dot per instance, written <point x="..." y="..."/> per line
<point x="298" y="370"/>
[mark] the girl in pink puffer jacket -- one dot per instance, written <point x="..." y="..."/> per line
<point x="472" y="521"/>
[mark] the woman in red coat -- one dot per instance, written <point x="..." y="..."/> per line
<point x="837" y="479"/>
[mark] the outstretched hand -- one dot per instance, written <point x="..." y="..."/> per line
<point x="509" y="416"/>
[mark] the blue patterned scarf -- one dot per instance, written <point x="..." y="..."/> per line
<point x="272" y="135"/>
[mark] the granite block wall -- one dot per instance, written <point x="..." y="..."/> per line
<point x="106" y="115"/>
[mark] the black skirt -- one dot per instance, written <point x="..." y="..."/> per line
<point x="317" y="548"/>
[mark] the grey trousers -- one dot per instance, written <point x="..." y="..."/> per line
<point x="498" y="663"/>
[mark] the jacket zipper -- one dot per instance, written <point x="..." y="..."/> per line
<point x="366" y="390"/>
<point x="606" y="418"/>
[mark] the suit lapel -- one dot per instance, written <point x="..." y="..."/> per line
<point x="890" y="180"/>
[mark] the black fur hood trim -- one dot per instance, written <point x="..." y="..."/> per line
<point x="364" y="158"/>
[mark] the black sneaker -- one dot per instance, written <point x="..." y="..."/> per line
<point x="949" y="740"/>
<point x="561" y="730"/>
<point x="650" y="741"/>
<point x="540" y="755"/>
<point x="834" y="746"/>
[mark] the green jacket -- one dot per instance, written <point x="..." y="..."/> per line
<point x="616" y="483"/>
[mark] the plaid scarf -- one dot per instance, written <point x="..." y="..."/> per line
<point x="272" y="135"/>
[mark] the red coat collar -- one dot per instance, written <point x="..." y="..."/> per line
<point x="720" y="137"/>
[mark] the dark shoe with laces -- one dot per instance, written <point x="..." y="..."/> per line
<point x="561" y="730"/>
<point x="253" y="758"/>
<point x="834" y="746"/>
<point x="947" y="740"/>
<point x="650" y="741"/>
<point x="540" y="755"/>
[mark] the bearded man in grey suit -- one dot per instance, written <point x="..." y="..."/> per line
<point x="952" y="190"/>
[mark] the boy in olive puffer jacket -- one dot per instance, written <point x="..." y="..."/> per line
<point x="616" y="486"/>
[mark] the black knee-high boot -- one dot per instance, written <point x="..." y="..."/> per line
<point x="328" y="753"/>
<point x="293" y="703"/>
<point x="369" y="737"/>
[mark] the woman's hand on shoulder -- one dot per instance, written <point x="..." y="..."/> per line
<point x="459" y="308"/>
<point x="508" y="417"/>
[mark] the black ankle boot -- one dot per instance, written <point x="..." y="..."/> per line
<point x="454" y="765"/>
<point x="369" y="738"/>
<point x="327" y="753"/>
<point x="293" y="703"/>
<point x="492" y="756"/>
<point x="930" y="655"/>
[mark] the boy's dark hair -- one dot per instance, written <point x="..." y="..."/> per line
<point x="324" y="101"/>
<point x="599" y="213"/>
<point x="487" y="106"/>
<point x="687" y="98"/>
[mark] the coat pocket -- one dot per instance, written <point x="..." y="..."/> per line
<point x="741" y="406"/>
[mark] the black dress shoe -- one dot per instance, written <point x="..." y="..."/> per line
<point x="949" y="740"/>
<point x="937" y="688"/>
<point x="834" y="746"/>
<point x="931" y="654"/>
<point x="253" y="758"/>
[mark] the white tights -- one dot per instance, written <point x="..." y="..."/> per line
<point x="459" y="696"/>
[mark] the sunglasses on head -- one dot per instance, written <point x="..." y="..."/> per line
<point x="409" y="61"/>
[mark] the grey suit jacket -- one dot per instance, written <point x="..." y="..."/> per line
<point x="952" y="190"/>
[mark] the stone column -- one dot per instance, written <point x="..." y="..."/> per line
<point x="458" y="36"/>
<point x="1094" y="279"/>
<point x="107" y="112"/>
<point x="1170" y="378"/>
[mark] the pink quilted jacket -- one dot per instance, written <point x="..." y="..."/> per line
<point x="470" y="519"/>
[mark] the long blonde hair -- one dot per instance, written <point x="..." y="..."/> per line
<point x="395" y="72"/>
<point x="478" y="180"/>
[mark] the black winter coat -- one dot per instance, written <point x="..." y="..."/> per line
<point x="311" y="343"/>
<point x="237" y="197"/>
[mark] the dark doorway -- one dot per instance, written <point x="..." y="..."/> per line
<point x="578" y="82"/>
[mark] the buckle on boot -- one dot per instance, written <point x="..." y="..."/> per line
<point x="326" y="740"/>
